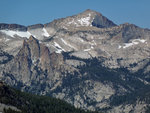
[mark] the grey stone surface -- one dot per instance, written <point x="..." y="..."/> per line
<point x="39" y="66"/>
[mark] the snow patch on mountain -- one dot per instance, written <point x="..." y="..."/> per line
<point x="59" y="48"/>
<point x="45" y="33"/>
<point x="140" y="40"/>
<point x="19" y="33"/>
<point x="84" y="21"/>
<point x="87" y="49"/>
<point x="67" y="44"/>
<point x="134" y="42"/>
<point x="64" y="41"/>
<point x="92" y="42"/>
<point x="119" y="46"/>
<point x="81" y="39"/>
<point x="58" y="51"/>
<point x="57" y="45"/>
<point x="7" y="39"/>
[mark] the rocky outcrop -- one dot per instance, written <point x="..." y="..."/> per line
<point x="12" y="27"/>
<point x="36" y="26"/>
<point x="33" y="59"/>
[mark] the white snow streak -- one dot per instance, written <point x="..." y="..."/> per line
<point x="84" y="21"/>
<point x="134" y="42"/>
<point x="87" y="49"/>
<point x="92" y="47"/>
<point x="19" y="33"/>
<point x="67" y="43"/>
<point x="73" y="22"/>
<point x="58" y="46"/>
<point x="119" y="46"/>
<point x="129" y="44"/>
<point x="7" y="39"/>
<point x="45" y="33"/>
<point x="81" y="40"/>
<point x="64" y="41"/>
<point x="58" y="51"/>
<point x="140" y="40"/>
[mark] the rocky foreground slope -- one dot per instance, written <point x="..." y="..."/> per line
<point x="85" y="59"/>
<point x="14" y="101"/>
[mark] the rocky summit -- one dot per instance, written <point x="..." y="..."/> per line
<point x="84" y="59"/>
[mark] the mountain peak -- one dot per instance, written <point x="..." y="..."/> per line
<point x="98" y="20"/>
<point x="91" y="11"/>
<point x="88" y="18"/>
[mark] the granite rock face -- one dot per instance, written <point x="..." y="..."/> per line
<point x="12" y="27"/>
<point x="32" y="63"/>
<point x="84" y="59"/>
